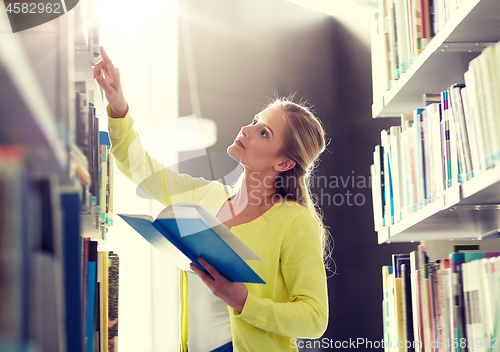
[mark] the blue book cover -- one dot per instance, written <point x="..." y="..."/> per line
<point x="70" y="203"/>
<point x="186" y="231"/>
<point x="91" y="293"/>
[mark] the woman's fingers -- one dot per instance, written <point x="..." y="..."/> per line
<point x="110" y="81"/>
<point x="103" y="84"/>
<point x="105" y="65"/>
<point x="106" y="58"/>
<point x="233" y="293"/>
<point x="211" y="270"/>
<point x="96" y="70"/>
<point x="205" y="277"/>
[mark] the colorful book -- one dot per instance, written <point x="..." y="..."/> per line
<point x="113" y="284"/>
<point x="185" y="231"/>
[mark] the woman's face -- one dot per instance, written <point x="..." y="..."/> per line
<point x="258" y="144"/>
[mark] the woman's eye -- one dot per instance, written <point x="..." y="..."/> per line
<point x="264" y="133"/>
<point x="254" y="122"/>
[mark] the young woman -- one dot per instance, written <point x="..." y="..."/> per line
<point x="270" y="210"/>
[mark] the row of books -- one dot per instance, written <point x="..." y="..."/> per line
<point x="100" y="282"/>
<point x="44" y="266"/>
<point x="39" y="240"/>
<point x="433" y="301"/>
<point x="91" y="164"/>
<point x="452" y="138"/>
<point x="401" y="30"/>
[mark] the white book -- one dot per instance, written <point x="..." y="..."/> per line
<point x="454" y="156"/>
<point x="377" y="67"/>
<point x="479" y="108"/>
<point x="402" y="28"/>
<point x="463" y="139"/>
<point x="392" y="320"/>
<point x="427" y="154"/>
<point x="418" y="157"/>
<point x="379" y="174"/>
<point x="489" y="100"/>
<point x="417" y="334"/>
<point x="469" y="302"/>
<point x="437" y="152"/>
<point x="405" y="161"/>
<point x="411" y="163"/>
<point x="408" y="30"/>
<point x="385" y="305"/>
<point x="386" y="75"/>
<point x="393" y="44"/>
<point x="474" y="115"/>
<point x="377" y="196"/>
<point x="477" y="301"/>
<point x="490" y="297"/>
<point x="451" y="8"/>
<point x="440" y="18"/>
<point x="472" y="133"/>
<point x="495" y="60"/>
<point x="491" y="58"/>
<point x="444" y="288"/>
<point x="405" y="184"/>
<point x="496" y="287"/>
<point x="396" y="171"/>
<point x="460" y="150"/>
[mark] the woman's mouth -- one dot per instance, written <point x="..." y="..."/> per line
<point x="237" y="142"/>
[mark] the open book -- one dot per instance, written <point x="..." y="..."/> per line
<point x="186" y="231"/>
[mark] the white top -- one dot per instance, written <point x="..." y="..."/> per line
<point x="208" y="317"/>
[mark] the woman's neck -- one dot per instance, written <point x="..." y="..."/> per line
<point x="256" y="189"/>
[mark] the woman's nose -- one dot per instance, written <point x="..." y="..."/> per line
<point x="245" y="130"/>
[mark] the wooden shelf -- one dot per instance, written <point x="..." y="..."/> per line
<point x="445" y="59"/>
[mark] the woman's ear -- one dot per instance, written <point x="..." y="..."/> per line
<point x="285" y="165"/>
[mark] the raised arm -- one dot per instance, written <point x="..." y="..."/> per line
<point x="108" y="77"/>
<point x="153" y="179"/>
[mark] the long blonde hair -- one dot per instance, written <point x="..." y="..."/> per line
<point x="303" y="142"/>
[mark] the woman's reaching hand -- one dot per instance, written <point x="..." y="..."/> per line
<point x="110" y="82"/>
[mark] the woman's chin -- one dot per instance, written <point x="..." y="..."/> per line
<point x="232" y="149"/>
<point x="233" y="155"/>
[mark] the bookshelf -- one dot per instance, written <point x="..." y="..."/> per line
<point x="469" y="210"/>
<point x="47" y="215"/>
<point x="444" y="60"/>
<point x="426" y="188"/>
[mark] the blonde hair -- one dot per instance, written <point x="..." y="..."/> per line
<point x="303" y="142"/>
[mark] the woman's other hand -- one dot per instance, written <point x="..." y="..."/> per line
<point x="111" y="85"/>
<point x="233" y="293"/>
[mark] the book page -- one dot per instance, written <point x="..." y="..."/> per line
<point x="146" y="229"/>
<point x="192" y="210"/>
<point x="140" y="216"/>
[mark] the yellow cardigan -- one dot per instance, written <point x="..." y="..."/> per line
<point x="294" y="301"/>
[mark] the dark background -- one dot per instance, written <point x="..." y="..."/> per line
<point x="248" y="51"/>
